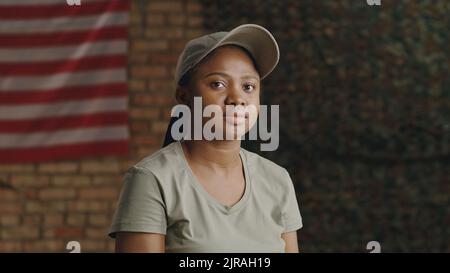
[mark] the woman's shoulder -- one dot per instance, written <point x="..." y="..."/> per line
<point x="161" y="160"/>
<point x="268" y="176"/>
<point x="262" y="165"/>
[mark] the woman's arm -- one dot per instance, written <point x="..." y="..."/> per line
<point x="291" y="242"/>
<point x="140" y="242"/>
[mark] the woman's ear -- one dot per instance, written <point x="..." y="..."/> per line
<point x="182" y="95"/>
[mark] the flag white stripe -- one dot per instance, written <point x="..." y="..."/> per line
<point x="61" y="109"/>
<point x="84" y="23"/>
<point x="73" y="136"/>
<point x="65" y="79"/>
<point x="62" y="53"/>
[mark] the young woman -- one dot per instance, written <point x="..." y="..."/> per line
<point x="212" y="195"/>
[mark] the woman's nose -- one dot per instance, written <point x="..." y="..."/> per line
<point x="235" y="97"/>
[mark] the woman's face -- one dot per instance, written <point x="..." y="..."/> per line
<point x="228" y="79"/>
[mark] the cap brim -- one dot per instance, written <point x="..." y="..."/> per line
<point x="258" y="41"/>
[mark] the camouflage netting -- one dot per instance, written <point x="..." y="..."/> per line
<point x="364" y="94"/>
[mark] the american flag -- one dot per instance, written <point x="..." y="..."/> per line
<point x="63" y="79"/>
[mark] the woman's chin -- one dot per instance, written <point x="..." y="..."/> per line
<point x="235" y="132"/>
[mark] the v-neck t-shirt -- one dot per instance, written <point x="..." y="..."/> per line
<point x="160" y="194"/>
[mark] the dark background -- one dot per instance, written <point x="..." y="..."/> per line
<point x="365" y="120"/>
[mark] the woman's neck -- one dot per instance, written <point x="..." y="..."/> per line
<point x="213" y="154"/>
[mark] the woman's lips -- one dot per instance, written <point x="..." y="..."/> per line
<point x="236" y="118"/>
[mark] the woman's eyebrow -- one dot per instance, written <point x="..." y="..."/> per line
<point x="217" y="73"/>
<point x="247" y="76"/>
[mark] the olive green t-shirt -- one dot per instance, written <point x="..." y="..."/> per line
<point x="160" y="194"/>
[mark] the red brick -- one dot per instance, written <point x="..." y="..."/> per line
<point x="177" y="46"/>
<point x="98" y="193"/>
<point x="135" y="32"/>
<point x="20" y="233"/>
<point x="9" y="220"/>
<point x="9" y="195"/>
<point x="17" y="168"/>
<point x="45" y="246"/>
<point x="97" y="166"/>
<point x="31" y="219"/>
<point x="152" y="100"/>
<point x="166" y="6"/>
<point x="145" y="140"/>
<point x="48" y="233"/>
<point x="76" y="219"/>
<point x="88" y="206"/>
<point x="108" y="180"/>
<point x="194" y="33"/>
<point x="100" y="220"/>
<point x="57" y="194"/>
<point x="156" y="20"/>
<point x="193" y="7"/>
<point x="137" y="58"/>
<point x="111" y="246"/>
<point x="162" y="58"/>
<point x="146" y="151"/>
<point x="29" y="180"/>
<point x="144" y="113"/>
<point x="195" y="21"/>
<point x="164" y="33"/>
<point x="135" y="19"/>
<point x="97" y="233"/>
<point x="139" y="127"/>
<point x="31" y="194"/>
<point x="89" y="246"/>
<point x="137" y="85"/>
<point x="68" y="232"/>
<point x="66" y="167"/>
<point x="51" y="220"/>
<point x="146" y="71"/>
<point x="10" y="247"/>
<point x="176" y="20"/>
<point x="152" y="45"/>
<point x="11" y="207"/>
<point x="159" y="127"/>
<point x="45" y="206"/>
<point x="71" y="180"/>
<point x="160" y="86"/>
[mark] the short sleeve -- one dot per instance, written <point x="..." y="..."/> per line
<point x="292" y="219"/>
<point x="141" y="206"/>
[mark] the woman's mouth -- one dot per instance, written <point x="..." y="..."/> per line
<point x="236" y="118"/>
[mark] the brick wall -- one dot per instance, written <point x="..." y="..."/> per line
<point x="44" y="206"/>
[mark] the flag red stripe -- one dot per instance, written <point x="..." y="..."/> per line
<point x="64" y="152"/>
<point x="62" y="38"/>
<point x="17" y="12"/>
<point x="63" y="94"/>
<point x="61" y="123"/>
<point x="51" y="67"/>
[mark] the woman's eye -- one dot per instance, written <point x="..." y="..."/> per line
<point x="216" y="85"/>
<point x="249" y="87"/>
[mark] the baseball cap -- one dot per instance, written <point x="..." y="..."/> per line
<point x="257" y="40"/>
